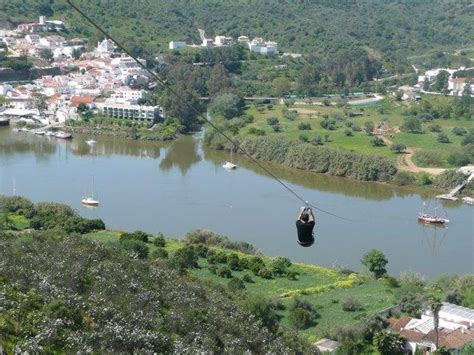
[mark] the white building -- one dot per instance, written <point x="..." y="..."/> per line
<point x="207" y="42"/>
<point x="243" y="39"/>
<point x="457" y="85"/>
<point x="130" y="111"/>
<point x="177" y="44"/>
<point x="258" y="45"/>
<point x="223" y="41"/>
<point x="126" y="94"/>
<point x="105" y="47"/>
<point x="52" y="41"/>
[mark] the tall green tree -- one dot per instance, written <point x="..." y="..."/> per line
<point x="183" y="104"/>
<point x="375" y="261"/>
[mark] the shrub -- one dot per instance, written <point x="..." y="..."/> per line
<point x="256" y="263"/>
<point x="435" y="128"/>
<point x="159" y="240"/>
<point x="256" y="131"/>
<point x="248" y="118"/>
<point x="443" y="138"/>
<point x="459" y="131"/>
<point x="391" y="282"/>
<point x="211" y="257"/>
<point x="348" y="132"/>
<point x="273" y="121"/>
<point x="265" y="273"/>
<point x="369" y="127"/>
<point x="350" y="304"/>
<point x="276" y="128"/>
<point x="290" y="115"/>
<point x="224" y="271"/>
<point x="326" y="102"/>
<point x="244" y="263"/>
<point x="233" y="261"/>
<point x="19" y="205"/>
<point x="137" y="247"/>
<point x="398" y="148"/>
<point x="317" y="140"/>
<point x="411" y="304"/>
<point x="202" y="250"/>
<point x="302" y="314"/>
<point x="412" y="125"/>
<point x="265" y="311"/>
<point x="159" y="253"/>
<point x="377" y="142"/>
<point x="203" y="236"/>
<point x="403" y="178"/>
<point x="185" y="258"/>
<point x="247" y="278"/>
<point x="425" y="179"/>
<point x="221" y="257"/>
<point x="304" y="126"/>
<point x="303" y="138"/>
<point x="137" y="235"/>
<point x="458" y="158"/>
<point x="82" y="225"/>
<point x="235" y="284"/>
<point x="279" y="265"/>
<point x="427" y="157"/>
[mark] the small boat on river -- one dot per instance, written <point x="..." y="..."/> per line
<point x="91" y="142"/>
<point x="91" y="201"/>
<point x="229" y="165"/>
<point x="63" y="135"/>
<point x="432" y="218"/>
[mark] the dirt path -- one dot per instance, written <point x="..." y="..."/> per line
<point x="405" y="162"/>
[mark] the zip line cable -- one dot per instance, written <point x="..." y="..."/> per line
<point x="200" y="115"/>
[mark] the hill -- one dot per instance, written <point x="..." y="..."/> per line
<point x="388" y="30"/>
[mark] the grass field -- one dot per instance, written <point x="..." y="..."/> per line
<point x="323" y="287"/>
<point x="387" y="110"/>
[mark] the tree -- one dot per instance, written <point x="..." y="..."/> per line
<point x="137" y="247"/>
<point x="77" y="52"/>
<point x="265" y="311"/>
<point x="412" y="125"/>
<point x="369" y="127"/>
<point x="227" y="105"/>
<point x="40" y="103"/>
<point x="441" y="82"/>
<point x="398" y="148"/>
<point x="185" y="258"/>
<point x="185" y="106"/>
<point x="435" y="306"/>
<point x="443" y="138"/>
<point x="46" y="54"/>
<point x="219" y="81"/>
<point x="375" y="261"/>
<point x="389" y="343"/>
<point x="82" y="107"/>
<point x="377" y="142"/>
<point x="281" y="86"/>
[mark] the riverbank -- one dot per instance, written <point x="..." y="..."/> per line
<point x="337" y="298"/>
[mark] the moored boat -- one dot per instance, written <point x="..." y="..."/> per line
<point x="229" y="166"/>
<point x="428" y="219"/>
<point x="63" y="135"/>
<point x="89" y="201"/>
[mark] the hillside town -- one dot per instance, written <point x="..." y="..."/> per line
<point x="102" y="80"/>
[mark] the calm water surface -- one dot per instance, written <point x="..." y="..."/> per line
<point x="179" y="186"/>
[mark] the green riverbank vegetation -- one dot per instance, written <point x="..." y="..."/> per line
<point x="138" y="292"/>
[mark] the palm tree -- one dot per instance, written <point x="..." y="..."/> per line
<point x="435" y="306"/>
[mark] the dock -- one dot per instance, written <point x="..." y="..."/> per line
<point x="451" y="195"/>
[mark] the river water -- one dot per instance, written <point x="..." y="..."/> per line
<point x="179" y="186"/>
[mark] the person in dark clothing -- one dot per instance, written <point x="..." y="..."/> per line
<point x="305" y="225"/>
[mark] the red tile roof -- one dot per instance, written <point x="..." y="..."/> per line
<point x="76" y="100"/>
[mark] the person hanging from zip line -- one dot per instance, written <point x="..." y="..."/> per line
<point x="305" y="225"/>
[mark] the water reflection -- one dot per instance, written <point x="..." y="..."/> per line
<point x="322" y="182"/>
<point x="433" y="237"/>
<point x="182" y="154"/>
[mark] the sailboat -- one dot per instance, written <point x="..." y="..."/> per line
<point x="91" y="201"/>
<point x="426" y="218"/>
<point x="229" y="165"/>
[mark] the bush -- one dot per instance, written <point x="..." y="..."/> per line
<point x="435" y="128"/>
<point x="303" y="138"/>
<point x="377" y="142"/>
<point x="391" y="282"/>
<point x="427" y="157"/>
<point x="292" y="275"/>
<point x="425" y="179"/>
<point x="317" y="140"/>
<point x="276" y="128"/>
<point x="248" y="118"/>
<point x="224" y="271"/>
<point x="273" y="121"/>
<point x="459" y="131"/>
<point x="137" y="235"/>
<point x="302" y="314"/>
<point x="255" y="264"/>
<point x="159" y="240"/>
<point x="403" y="178"/>
<point x="290" y="115"/>
<point x="206" y="237"/>
<point x="398" y="148"/>
<point x="202" y="250"/>
<point x="185" y="258"/>
<point x="411" y="304"/>
<point x="280" y="265"/>
<point x="458" y="158"/>
<point x="159" y="253"/>
<point x="247" y="278"/>
<point x="256" y="131"/>
<point x="304" y="126"/>
<point x="233" y="261"/>
<point x="82" y="225"/>
<point x="19" y="205"/>
<point x="265" y="273"/>
<point x="235" y="284"/>
<point x="350" y="304"/>
<point x="412" y="125"/>
<point x="348" y="133"/>
<point x="137" y="247"/>
<point x="443" y="138"/>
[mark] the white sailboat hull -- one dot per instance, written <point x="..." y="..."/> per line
<point x="229" y="166"/>
<point x="90" y="202"/>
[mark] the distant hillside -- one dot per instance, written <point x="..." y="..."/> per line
<point x="323" y="27"/>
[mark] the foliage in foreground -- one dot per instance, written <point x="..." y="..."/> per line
<point x="65" y="293"/>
